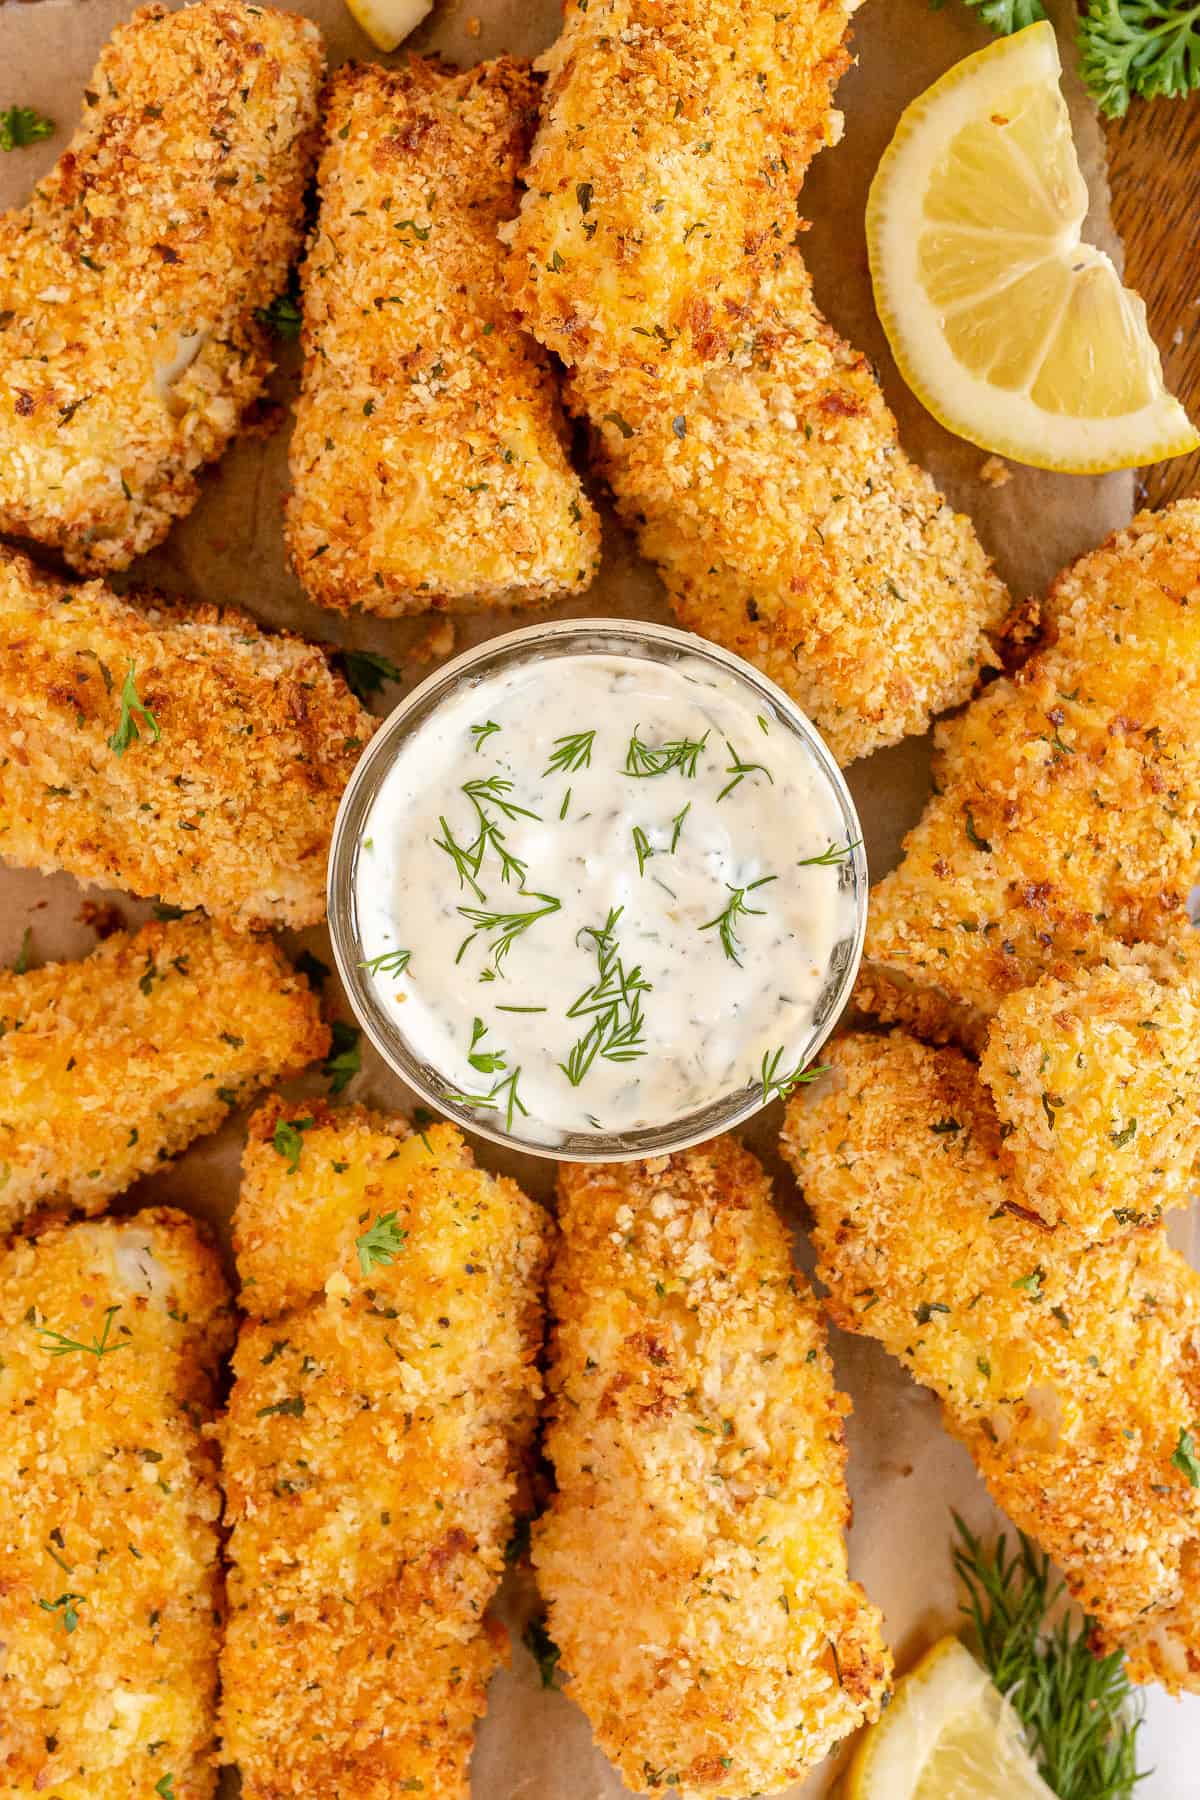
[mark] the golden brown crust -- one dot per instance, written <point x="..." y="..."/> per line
<point x="1069" y="1374"/>
<point x="231" y="808"/>
<point x="1096" y="1079"/>
<point x="371" y="1452"/>
<point x="110" y="1593"/>
<point x="428" y="461"/>
<point x="129" y="350"/>
<point x="748" y="446"/>
<point x="1068" y="802"/>
<point x="788" y="524"/>
<point x="673" y="141"/>
<point x="693" y="1414"/>
<point x="110" y="1065"/>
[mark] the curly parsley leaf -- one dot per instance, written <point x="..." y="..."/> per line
<point x="21" y="126"/>
<point x="1143" y="47"/>
<point x="1005" y="16"/>
<point x="287" y="1141"/>
<point x="381" y="1242"/>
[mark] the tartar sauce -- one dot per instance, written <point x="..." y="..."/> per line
<point x="598" y="893"/>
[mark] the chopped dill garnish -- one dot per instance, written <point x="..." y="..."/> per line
<point x="725" y="922"/>
<point x="481" y="733"/>
<point x="388" y="962"/>
<point x="613" y="1004"/>
<point x="59" y="1344"/>
<point x="507" y="925"/>
<point x="775" y="1082"/>
<point x="504" y="1091"/>
<point x="571" y="753"/>
<point x="642" y="759"/>
<point x="739" y="771"/>
<point x="831" y="857"/>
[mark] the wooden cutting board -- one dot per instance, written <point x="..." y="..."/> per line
<point x="1154" y="172"/>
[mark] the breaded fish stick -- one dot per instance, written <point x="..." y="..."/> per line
<point x="428" y="462"/>
<point x="130" y="281"/>
<point x="788" y="524"/>
<point x="383" y="1395"/>
<point x="1096" y="1079"/>
<point x="110" y="1593"/>
<point x="1073" y="1377"/>
<point x="169" y="749"/>
<point x="746" y="444"/>
<point x="1067" y="809"/>
<point x="693" y="1558"/>
<point x="111" y="1065"/>
<point x="674" y="138"/>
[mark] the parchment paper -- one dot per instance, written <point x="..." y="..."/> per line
<point x="904" y="1472"/>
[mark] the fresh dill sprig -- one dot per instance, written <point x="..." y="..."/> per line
<point x="1078" y="1710"/>
<point x="127" y="726"/>
<point x="642" y="759"/>
<point x="388" y="962"/>
<point x="641" y="845"/>
<point x="508" y="925"/>
<point x="831" y="857"/>
<point x="481" y="733"/>
<point x="612" y="1002"/>
<point x="493" y="790"/>
<point x="381" y="1242"/>
<point x="677" y="825"/>
<point x="59" y="1344"/>
<point x="571" y="753"/>
<point x="775" y="1082"/>
<point x="467" y="858"/>
<point x="503" y="1093"/>
<point x="725" y="922"/>
<point x="739" y="771"/>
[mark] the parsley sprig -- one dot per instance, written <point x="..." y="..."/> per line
<point x="1077" y="1709"/>
<point x="21" y="126"/>
<point x="1128" y="48"/>
<point x="132" y="710"/>
<point x="381" y="1242"/>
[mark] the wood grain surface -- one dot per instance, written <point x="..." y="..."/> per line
<point x="1154" y="173"/>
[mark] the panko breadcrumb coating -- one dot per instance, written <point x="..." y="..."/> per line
<point x="383" y="1395"/>
<point x="748" y="446"/>
<point x="1096" y="1080"/>
<point x="674" y="138"/>
<point x="237" y="745"/>
<point x="428" y="462"/>
<point x="788" y="524"/>
<point x="693" y="1558"/>
<point x="1067" y="809"/>
<point x="110" y="1594"/>
<point x="1072" y="1375"/>
<point x="110" y="1065"/>
<point x="130" y="349"/>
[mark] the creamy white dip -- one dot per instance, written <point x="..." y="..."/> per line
<point x="598" y="893"/>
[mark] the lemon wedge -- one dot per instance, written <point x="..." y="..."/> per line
<point x="1010" y="329"/>
<point x="388" y="22"/>
<point x="948" y="1735"/>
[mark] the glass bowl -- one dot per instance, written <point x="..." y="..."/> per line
<point x="545" y="644"/>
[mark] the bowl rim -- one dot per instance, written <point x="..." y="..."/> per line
<point x="548" y="641"/>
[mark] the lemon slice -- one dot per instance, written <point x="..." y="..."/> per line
<point x="388" y="22"/>
<point x="948" y="1735"/>
<point x="1008" y="327"/>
